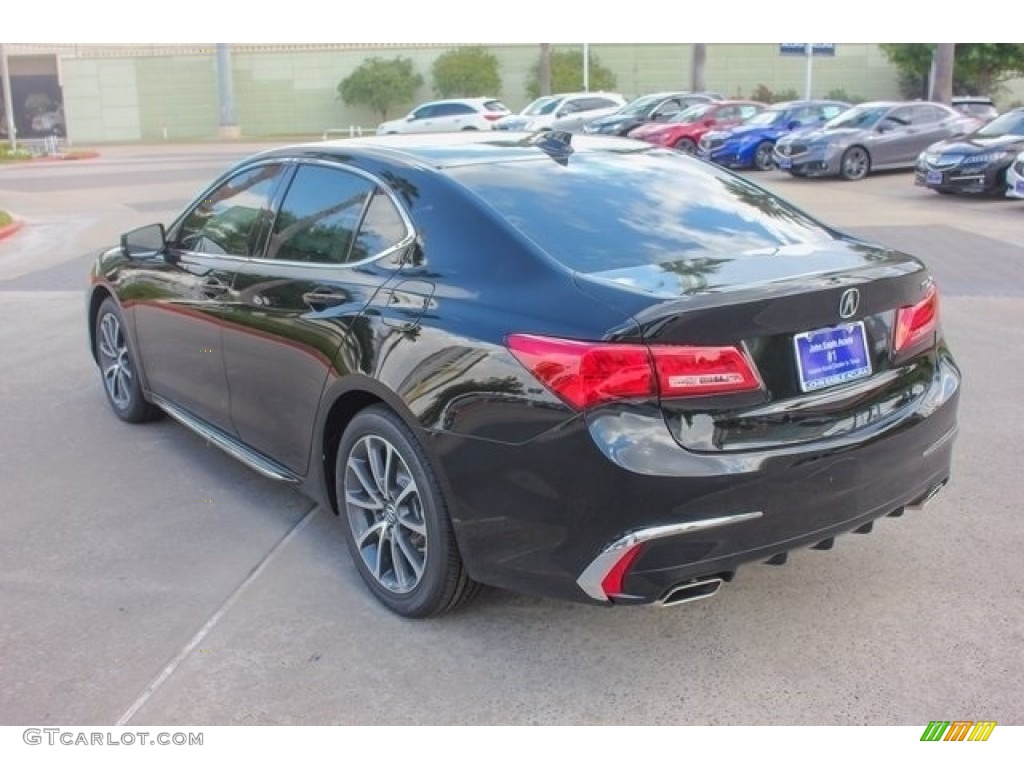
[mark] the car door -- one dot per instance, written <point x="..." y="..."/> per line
<point x="421" y="120"/>
<point x="894" y="137"/>
<point x="297" y="317"/>
<point x="456" y="117"/>
<point x="179" y="302"/>
<point x="934" y="124"/>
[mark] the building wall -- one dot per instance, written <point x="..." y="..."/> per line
<point x="158" y="93"/>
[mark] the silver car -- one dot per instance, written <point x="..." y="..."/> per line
<point x="874" y="136"/>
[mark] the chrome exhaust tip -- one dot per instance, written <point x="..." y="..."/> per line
<point x="694" y="590"/>
<point x="920" y="503"/>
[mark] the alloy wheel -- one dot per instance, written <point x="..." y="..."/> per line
<point x="385" y="514"/>
<point x="115" y="362"/>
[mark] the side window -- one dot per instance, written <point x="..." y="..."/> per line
<point x="227" y="221"/>
<point x="901" y="116"/>
<point x="319" y="216"/>
<point x="726" y="113"/>
<point x="570" y="107"/>
<point x="927" y="114"/>
<point x="827" y="113"/>
<point x="383" y="227"/>
<point x="423" y="112"/>
<point x="748" y="111"/>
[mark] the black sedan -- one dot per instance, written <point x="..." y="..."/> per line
<point x="975" y="164"/>
<point x="582" y="367"/>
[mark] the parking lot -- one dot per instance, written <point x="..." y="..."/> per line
<point x="148" y="578"/>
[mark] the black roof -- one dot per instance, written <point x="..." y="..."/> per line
<point x="447" y="150"/>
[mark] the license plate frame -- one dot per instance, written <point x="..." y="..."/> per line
<point x="933" y="177"/>
<point x="1018" y="187"/>
<point x="784" y="163"/>
<point x="826" y="357"/>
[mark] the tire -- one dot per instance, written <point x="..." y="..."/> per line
<point x="388" y="494"/>
<point x="118" y="367"/>
<point x="687" y="146"/>
<point x="855" y="164"/>
<point x="763" y="156"/>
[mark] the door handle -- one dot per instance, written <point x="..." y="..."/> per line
<point x="320" y="299"/>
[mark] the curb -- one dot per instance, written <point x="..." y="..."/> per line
<point x="11" y="229"/>
<point x="89" y="154"/>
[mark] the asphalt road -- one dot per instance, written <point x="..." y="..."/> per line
<point x="146" y="578"/>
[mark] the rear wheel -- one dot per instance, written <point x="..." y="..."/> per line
<point x="686" y="145"/>
<point x="396" y="518"/>
<point x="763" y="160"/>
<point x="855" y="164"/>
<point x="116" y="360"/>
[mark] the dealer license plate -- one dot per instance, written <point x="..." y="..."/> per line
<point x="830" y="356"/>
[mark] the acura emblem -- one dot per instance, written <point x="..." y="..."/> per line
<point x="849" y="302"/>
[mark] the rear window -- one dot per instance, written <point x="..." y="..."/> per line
<point x="612" y="210"/>
<point x="495" y="106"/>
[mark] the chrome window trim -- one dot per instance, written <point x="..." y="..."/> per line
<point x="405" y="242"/>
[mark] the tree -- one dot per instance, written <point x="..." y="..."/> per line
<point x="942" y="69"/>
<point x="979" y="68"/>
<point x="470" y="71"/>
<point x="567" y="74"/>
<point x="381" y="84"/>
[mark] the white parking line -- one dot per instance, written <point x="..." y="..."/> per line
<point x="197" y="638"/>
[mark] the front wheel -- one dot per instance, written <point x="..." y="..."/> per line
<point x="855" y="164"/>
<point x="396" y="519"/>
<point x="686" y="145"/>
<point x="120" y="372"/>
<point x="763" y="160"/>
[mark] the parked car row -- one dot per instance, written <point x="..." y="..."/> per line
<point x="963" y="148"/>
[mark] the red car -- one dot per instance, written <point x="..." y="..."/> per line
<point x="685" y="130"/>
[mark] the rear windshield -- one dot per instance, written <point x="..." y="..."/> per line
<point x="495" y="106"/>
<point x="617" y="209"/>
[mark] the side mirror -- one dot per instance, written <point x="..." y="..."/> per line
<point x="149" y="240"/>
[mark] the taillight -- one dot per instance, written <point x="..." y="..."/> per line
<point x="685" y="371"/>
<point x="611" y="584"/>
<point x="916" y="322"/>
<point x="493" y="116"/>
<point x="586" y="373"/>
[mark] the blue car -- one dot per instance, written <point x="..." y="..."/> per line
<point x="750" y="144"/>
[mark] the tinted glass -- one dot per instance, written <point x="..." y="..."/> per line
<point x="768" y="117"/>
<point x="382" y="228"/>
<point x="447" y="110"/>
<point x="319" y="216"/>
<point x="900" y="116"/>
<point x="1012" y="123"/>
<point x="535" y="107"/>
<point x="858" y="117"/>
<point x="926" y="114"/>
<point x="423" y="112"/>
<point x="614" y="210"/>
<point x="495" y="106"/>
<point x="690" y="114"/>
<point x="227" y="221"/>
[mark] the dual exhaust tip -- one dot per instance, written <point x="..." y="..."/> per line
<point x="691" y="591"/>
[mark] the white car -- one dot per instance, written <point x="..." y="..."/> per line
<point x="1015" y="178"/>
<point x="570" y="110"/>
<point x="448" y="115"/>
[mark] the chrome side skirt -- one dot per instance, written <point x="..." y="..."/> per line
<point x="230" y="445"/>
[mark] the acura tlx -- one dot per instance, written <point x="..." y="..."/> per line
<point x="578" y="366"/>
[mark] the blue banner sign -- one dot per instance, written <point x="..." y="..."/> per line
<point x="800" y="49"/>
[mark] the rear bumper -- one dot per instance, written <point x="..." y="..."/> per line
<point x="537" y="517"/>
